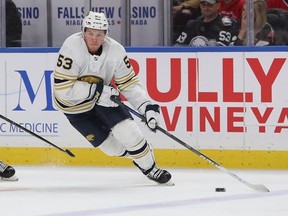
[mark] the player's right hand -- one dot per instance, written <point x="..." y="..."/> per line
<point x="104" y="99"/>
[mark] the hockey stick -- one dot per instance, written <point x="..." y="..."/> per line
<point x="257" y="187"/>
<point x="36" y="135"/>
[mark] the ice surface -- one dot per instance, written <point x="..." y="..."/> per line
<point x="83" y="191"/>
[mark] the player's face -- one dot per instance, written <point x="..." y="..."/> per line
<point x="93" y="38"/>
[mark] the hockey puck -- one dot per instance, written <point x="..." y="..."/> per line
<point x="220" y="189"/>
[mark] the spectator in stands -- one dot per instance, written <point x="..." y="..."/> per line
<point x="182" y="12"/>
<point x="278" y="18"/>
<point x="263" y="31"/>
<point x="211" y="29"/>
<point x="232" y="8"/>
<point x="280" y="4"/>
<point x="13" y="25"/>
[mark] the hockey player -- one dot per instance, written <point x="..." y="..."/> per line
<point x="211" y="29"/>
<point x="87" y="63"/>
<point x="7" y="172"/>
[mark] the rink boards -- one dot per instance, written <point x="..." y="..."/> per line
<point x="229" y="103"/>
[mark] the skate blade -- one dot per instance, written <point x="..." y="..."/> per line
<point x="169" y="183"/>
<point x="13" y="178"/>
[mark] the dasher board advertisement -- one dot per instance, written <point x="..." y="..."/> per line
<point x="213" y="100"/>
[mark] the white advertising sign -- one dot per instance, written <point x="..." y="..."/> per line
<point x="218" y="100"/>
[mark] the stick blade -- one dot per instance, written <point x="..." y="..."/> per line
<point x="259" y="187"/>
<point x="69" y="153"/>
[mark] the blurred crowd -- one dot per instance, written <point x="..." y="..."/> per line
<point x="204" y="23"/>
<point x="224" y="22"/>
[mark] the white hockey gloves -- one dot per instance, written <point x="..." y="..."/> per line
<point x="151" y="113"/>
<point x="103" y="94"/>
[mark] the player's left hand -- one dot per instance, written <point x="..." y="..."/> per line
<point x="151" y="113"/>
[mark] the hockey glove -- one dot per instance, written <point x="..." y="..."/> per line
<point x="104" y="93"/>
<point x="151" y="113"/>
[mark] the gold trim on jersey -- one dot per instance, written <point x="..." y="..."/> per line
<point x="126" y="81"/>
<point x="83" y="107"/>
<point x="65" y="85"/>
<point x="60" y="75"/>
<point x="126" y="77"/>
<point x="67" y="81"/>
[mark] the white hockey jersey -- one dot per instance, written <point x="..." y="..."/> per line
<point x="74" y="62"/>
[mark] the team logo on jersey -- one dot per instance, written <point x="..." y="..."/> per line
<point x="90" y="137"/>
<point x="226" y="21"/>
<point x="199" y="41"/>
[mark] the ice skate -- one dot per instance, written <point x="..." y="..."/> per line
<point x="158" y="175"/>
<point x="7" y="173"/>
